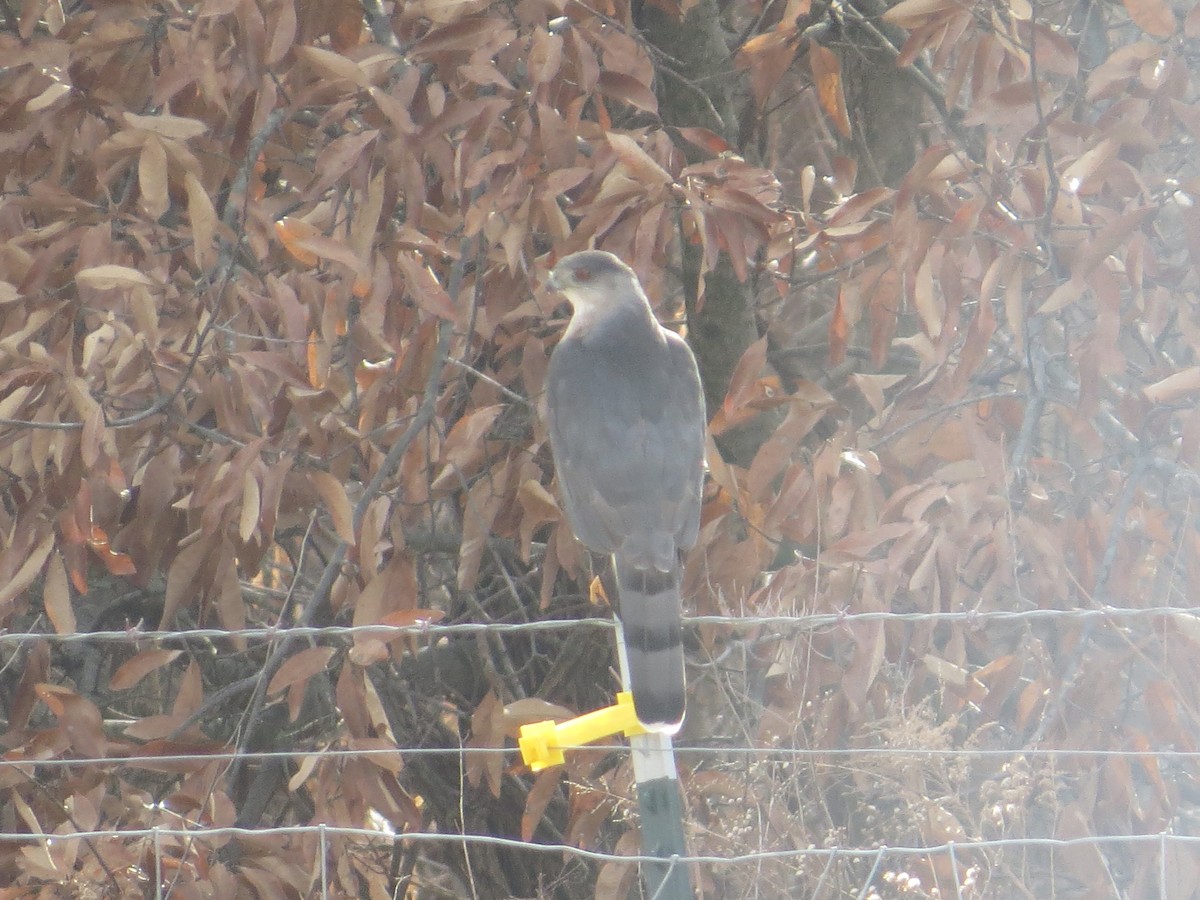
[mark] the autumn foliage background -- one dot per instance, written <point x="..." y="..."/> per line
<point x="272" y="340"/>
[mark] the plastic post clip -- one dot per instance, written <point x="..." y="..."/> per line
<point x="542" y="743"/>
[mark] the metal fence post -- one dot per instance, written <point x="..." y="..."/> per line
<point x="660" y="803"/>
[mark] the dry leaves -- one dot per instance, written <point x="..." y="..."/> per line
<point x="231" y="238"/>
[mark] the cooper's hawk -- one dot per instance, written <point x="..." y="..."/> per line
<point x="626" y="417"/>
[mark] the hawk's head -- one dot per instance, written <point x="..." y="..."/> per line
<point x="596" y="282"/>
<point x="579" y="270"/>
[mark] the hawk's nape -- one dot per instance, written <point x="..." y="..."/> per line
<point x="626" y="417"/>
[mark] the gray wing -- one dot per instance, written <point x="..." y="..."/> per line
<point x="626" y="417"/>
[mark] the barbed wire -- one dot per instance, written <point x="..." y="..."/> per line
<point x="214" y="832"/>
<point x="826" y="756"/>
<point x="811" y="621"/>
<point x="1163" y="841"/>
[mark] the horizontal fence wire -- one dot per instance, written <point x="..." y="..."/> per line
<point x="827" y="756"/>
<point x="200" y="832"/>
<point x="431" y="629"/>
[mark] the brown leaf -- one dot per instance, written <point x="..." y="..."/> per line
<point x="80" y="719"/>
<point x="333" y="65"/>
<point x="191" y="691"/>
<point x="627" y="89"/>
<point x="545" y="57"/>
<point x="379" y="597"/>
<point x="337" y="504"/>
<point x="182" y="583"/>
<point x="615" y="879"/>
<point x="91" y="438"/>
<point x="706" y="140"/>
<point x="1063" y="295"/>
<point x="856" y="207"/>
<point x="111" y="276"/>
<point x="282" y="26"/>
<point x="484" y="502"/>
<point x="1080" y="177"/>
<point x="742" y="384"/>
<point x="1152" y="16"/>
<point x="946" y="671"/>
<point x="1180" y="384"/>
<point x="533" y="709"/>
<point x="873" y="386"/>
<point x="545" y="788"/>
<point x="928" y="302"/>
<point x="152" y="177"/>
<point x="487" y="731"/>
<point x="860" y="545"/>
<point x="175" y="128"/>
<point x="37" y="666"/>
<point x="231" y="605"/>
<point x="365" y="226"/>
<point x="390" y="762"/>
<point x="911" y="13"/>
<point x="56" y="596"/>
<point x="304" y="242"/>
<point x="636" y="161"/>
<point x="318" y="357"/>
<point x="846" y="311"/>
<point x="137" y="667"/>
<point x="777" y="451"/>
<point x="942" y="826"/>
<point x="464" y="34"/>
<point x="537" y="508"/>
<point x="28" y="569"/>
<point x="827" y="76"/>
<point x="116" y="563"/>
<point x="48" y="97"/>
<point x="767" y="57"/>
<point x="1111" y="236"/>
<point x="84" y="727"/>
<point x="203" y="217"/>
<point x="304" y="771"/>
<point x="871" y="641"/>
<point x="1032" y="699"/>
<point x="338" y="157"/>
<point x="251" y="506"/>
<point x="291" y="233"/>
<point x="300" y="667"/>
<point x="464" y="449"/>
<point x="424" y="288"/>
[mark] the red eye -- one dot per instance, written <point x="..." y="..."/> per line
<point x="583" y="274"/>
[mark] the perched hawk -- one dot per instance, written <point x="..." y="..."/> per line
<point x="626" y="417"/>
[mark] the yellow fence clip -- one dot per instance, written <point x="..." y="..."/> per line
<point x="542" y="743"/>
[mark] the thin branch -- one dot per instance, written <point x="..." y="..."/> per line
<point x="380" y="24"/>
<point x="483" y="376"/>
<point x="941" y="411"/>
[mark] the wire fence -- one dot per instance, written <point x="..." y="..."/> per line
<point x="1177" y="853"/>
<point x="512" y="754"/>
<point x="200" y="832"/>
<point x="813" y="621"/>
<point x="1169" y="883"/>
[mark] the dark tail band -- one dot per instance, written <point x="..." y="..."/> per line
<point x="651" y="607"/>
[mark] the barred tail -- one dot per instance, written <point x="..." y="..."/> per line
<point x="650" y="608"/>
